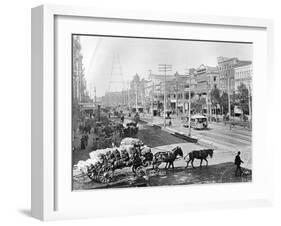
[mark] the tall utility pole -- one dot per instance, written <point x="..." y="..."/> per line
<point x="165" y="68"/>
<point x="95" y="96"/>
<point x="228" y="94"/>
<point x="128" y="94"/>
<point x="250" y="108"/>
<point x="136" y="97"/>
<point x="152" y="92"/>
<point x="189" y="102"/>
<point x="152" y="100"/>
<point x="177" y="89"/>
<point x="208" y="104"/>
<point x="189" y="106"/>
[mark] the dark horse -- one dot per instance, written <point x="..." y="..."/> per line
<point x="168" y="157"/>
<point x="200" y="154"/>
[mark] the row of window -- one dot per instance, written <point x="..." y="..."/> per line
<point x="243" y="74"/>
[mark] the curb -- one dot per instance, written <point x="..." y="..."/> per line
<point x="174" y="132"/>
<point x="182" y="136"/>
<point x="206" y="144"/>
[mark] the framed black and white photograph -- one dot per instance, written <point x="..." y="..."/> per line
<point x="138" y="121"/>
<point x="164" y="110"/>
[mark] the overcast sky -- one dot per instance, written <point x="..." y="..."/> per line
<point x="141" y="55"/>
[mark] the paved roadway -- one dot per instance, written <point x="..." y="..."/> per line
<point x="221" y="167"/>
<point x="161" y="140"/>
<point x="226" y="142"/>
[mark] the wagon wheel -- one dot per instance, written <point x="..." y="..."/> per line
<point x="106" y="177"/>
<point x="140" y="171"/>
<point x="145" y="163"/>
<point x="92" y="175"/>
<point x="156" y="168"/>
<point x="157" y="171"/>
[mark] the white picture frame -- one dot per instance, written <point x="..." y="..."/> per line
<point x="44" y="123"/>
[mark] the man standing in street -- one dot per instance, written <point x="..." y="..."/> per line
<point x="238" y="162"/>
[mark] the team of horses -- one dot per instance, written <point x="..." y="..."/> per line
<point x="119" y="159"/>
<point x="138" y="158"/>
<point x="198" y="154"/>
<point x="169" y="157"/>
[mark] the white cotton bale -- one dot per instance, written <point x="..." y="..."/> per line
<point x="145" y="150"/>
<point x="82" y="166"/>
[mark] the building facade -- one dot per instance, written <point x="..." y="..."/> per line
<point x="243" y="75"/>
<point x="133" y="97"/>
<point x="80" y="95"/>
<point x="79" y="92"/>
<point x="148" y="95"/>
<point x="206" y="78"/>
<point x="226" y="68"/>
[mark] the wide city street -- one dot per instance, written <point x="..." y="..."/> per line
<point x="221" y="165"/>
<point x="226" y="142"/>
<point x="132" y="112"/>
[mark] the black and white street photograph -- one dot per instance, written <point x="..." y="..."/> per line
<point x="158" y="112"/>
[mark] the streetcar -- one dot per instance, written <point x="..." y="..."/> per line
<point x="196" y="121"/>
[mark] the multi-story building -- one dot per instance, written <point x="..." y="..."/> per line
<point x="79" y="82"/>
<point x="207" y="78"/>
<point x="133" y="97"/>
<point x="243" y="75"/>
<point x="148" y="95"/>
<point x="154" y="91"/>
<point x="177" y="90"/>
<point x="80" y="96"/>
<point x="137" y="93"/>
<point x="115" y="99"/>
<point x="226" y="68"/>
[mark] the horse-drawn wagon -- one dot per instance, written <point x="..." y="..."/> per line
<point x="102" y="164"/>
<point x="131" y="129"/>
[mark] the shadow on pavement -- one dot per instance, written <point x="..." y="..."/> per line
<point x="153" y="137"/>
<point x="219" y="173"/>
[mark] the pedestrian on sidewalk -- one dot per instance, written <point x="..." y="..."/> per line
<point x="170" y="122"/>
<point x="238" y="162"/>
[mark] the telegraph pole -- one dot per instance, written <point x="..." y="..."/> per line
<point x="250" y="108"/>
<point x="189" y="103"/>
<point x="189" y="106"/>
<point x="208" y="105"/>
<point x="165" y="68"/>
<point x="95" y="96"/>
<point x="177" y="88"/>
<point x="229" y="109"/>
<point x="152" y="92"/>
<point x="128" y="93"/>
<point x="136" y="98"/>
